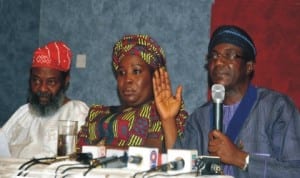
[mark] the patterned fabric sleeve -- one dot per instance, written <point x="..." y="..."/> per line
<point x="180" y="120"/>
<point x="88" y="134"/>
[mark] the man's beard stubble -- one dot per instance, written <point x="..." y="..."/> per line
<point x="49" y="109"/>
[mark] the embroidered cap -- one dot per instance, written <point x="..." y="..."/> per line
<point x="56" y="55"/>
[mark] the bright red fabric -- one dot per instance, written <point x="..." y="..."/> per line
<point x="56" y="55"/>
<point x="274" y="27"/>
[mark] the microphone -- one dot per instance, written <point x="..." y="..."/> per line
<point x="177" y="164"/>
<point x="84" y="158"/>
<point x="135" y="159"/>
<point x="142" y="158"/>
<point x="102" y="160"/>
<point x="189" y="157"/>
<point x="218" y="94"/>
<point x="208" y="165"/>
<point x="110" y="162"/>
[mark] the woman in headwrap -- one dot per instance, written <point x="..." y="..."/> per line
<point x="136" y="122"/>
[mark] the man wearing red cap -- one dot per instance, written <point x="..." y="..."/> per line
<point x="32" y="129"/>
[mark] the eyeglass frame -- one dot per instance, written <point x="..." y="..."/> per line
<point x="229" y="55"/>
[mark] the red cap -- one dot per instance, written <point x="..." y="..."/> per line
<point x="56" y="55"/>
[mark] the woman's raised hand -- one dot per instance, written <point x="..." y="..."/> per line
<point x="167" y="104"/>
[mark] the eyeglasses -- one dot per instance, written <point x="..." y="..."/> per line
<point x="228" y="55"/>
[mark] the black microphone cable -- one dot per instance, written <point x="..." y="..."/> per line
<point x="23" y="169"/>
<point x="64" y="165"/>
<point x="83" y="159"/>
<point x="99" y="162"/>
<point x="73" y="167"/>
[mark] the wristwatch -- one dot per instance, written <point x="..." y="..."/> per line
<point x="245" y="168"/>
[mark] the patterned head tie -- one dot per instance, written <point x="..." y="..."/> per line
<point x="56" y="55"/>
<point x="139" y="45"/>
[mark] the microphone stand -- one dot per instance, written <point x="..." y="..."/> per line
<point x="103" y="161"/>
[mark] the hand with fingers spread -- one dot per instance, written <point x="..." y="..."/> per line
<point x="220" y="145"/>
<point x="167" y="104"/>
<point x="137" y="120"/>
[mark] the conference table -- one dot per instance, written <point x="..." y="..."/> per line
<point x="11" y="168"/>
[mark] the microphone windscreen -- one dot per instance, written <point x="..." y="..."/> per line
<point x="217" y="93"/>
<point x="84" y="158"/>
<point x="135" y="159"/>
<point x="184" y="160"/>
<point x="148" y="155"/>
<point x="178" y="164"/>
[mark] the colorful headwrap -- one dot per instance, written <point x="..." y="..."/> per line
<point x="140" y="45"/>
<point x="56" y="55"/>
<point x="236" y="36"/>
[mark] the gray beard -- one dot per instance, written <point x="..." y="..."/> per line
<point x="45" y="110"/>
